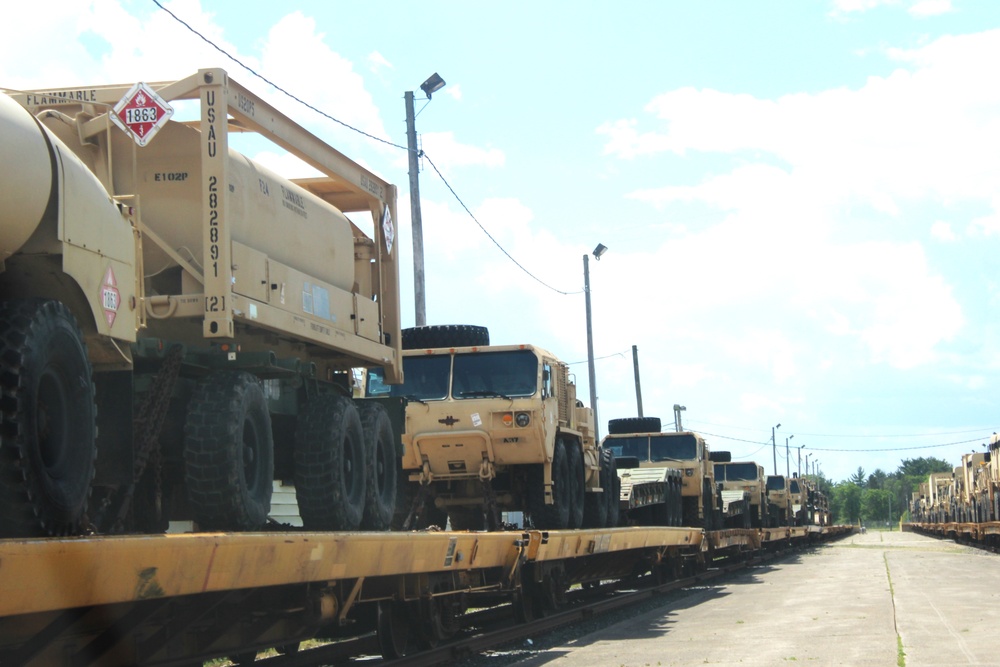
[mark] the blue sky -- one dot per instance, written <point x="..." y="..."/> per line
<point x="801" y="200"/>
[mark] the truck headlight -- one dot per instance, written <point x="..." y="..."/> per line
<point x="522" y="419"/>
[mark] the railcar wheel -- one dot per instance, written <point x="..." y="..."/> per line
<point x="556" y="515"/>
<point x="392" y="629"/>
<point x="577" y="490"/>
<point x="330" y="464"/>
<point x="48" y="442"/>
<point x="381" y="468"/>
<point x="229" y="452"/>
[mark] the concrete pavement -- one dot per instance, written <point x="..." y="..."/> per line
<point x="875" y="599"/>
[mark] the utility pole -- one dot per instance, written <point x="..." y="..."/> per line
<point x="590" y="348"/>
<point x="638" y="387"/>
<point x="419" y="302"/>
<point x="788" y="463"/>
<point x="774" y="448"/>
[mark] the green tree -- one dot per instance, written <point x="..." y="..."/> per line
<point x="845" y="503"/>
<point x="858" y="478"/>
<point x="923" y="467"/>
<point x="876" y="480"/>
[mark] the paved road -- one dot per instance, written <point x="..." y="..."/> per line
<point x="875" y="599"/>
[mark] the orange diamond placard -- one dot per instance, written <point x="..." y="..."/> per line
<point x="141" y="113"/>
<point x="111" y="298"/>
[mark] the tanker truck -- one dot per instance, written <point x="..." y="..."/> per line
<point x="180" y="326"/>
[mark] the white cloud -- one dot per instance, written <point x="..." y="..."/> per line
<point x="925" y="8"/>
<point x="942" y="231"/>
<point x="918" y="8"/>
<point x="377" y="62"/>
<point x="446" y="151"/>
<point x="455" y="91"/>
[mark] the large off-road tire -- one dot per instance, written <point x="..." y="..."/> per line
<point x="613" y="490"/>
<point x="381" y="468"/>
<point x="628" y="425"/>
<point x="48" y="426"/>
<point x="577" y="484"/>
<point x="595" y="505"/>
<point x="330" y="479"/>
<point x="556" y="515"/>
<point x="445" y="335"/>
<point x="707" y="509"/>
<point x="229" y="452"/>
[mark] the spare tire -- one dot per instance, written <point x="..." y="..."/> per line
<point x="445" y="335"/>
<point x="634" y="425"/>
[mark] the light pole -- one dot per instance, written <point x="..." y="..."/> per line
<point x="800" y="459"/>
<point x="807" y="463"/>
<point x="774" y="448"/>
<point x="638" y="387"/>
<point x="598" y="251"/>
<point x="788" y="472"/>
<point x="431" y="85"/>
<point x="678" y="409"/>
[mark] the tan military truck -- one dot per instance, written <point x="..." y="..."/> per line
<point x="178" y="323"/>
<point x="940" y="500"/>
<point x="655" y="451"/>
<point x="779" y="501"/>
<point x="975" y="501"/>
<point x="493" y="428"/>
<point x="798" y="494"/>
<point x="747" y="478"/>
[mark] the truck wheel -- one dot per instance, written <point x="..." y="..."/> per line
<point x="707" y="511"/>
<point x="49" y="418"/>
<point x="445" y="335"/>
<point x="595" y="505"/>
<point x="330" y="464"/>
<point x="556" y="515"/>
<point x="577" y="485"/>
<point x="229" y="452"/>
<point x="382" y="467"/>
<point x="627" y="425"/>
<point x="613" y="489"/>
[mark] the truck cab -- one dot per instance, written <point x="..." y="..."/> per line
<point x="493" y="428"/>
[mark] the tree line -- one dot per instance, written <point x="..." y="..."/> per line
<point x="879" y="498"/>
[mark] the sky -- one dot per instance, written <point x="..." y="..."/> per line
<point x="800" y="199"/>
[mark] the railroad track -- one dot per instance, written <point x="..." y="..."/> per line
<point x="495" y="627"/>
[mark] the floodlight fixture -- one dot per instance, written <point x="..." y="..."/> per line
<point x="433" y="84"/>
<point x="600" y="250"/>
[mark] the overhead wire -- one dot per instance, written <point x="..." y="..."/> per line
<point x="420" y="153"/>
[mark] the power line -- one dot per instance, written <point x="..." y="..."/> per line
<point x="606" y="356"/>
<point x="848" y="435"/>
<point x="853" y="451"/>
<point x="490" y="236"/>
<point x="420" y="153"/>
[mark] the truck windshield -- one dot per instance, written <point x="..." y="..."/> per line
<point x="736" y="472"/>
<point x="508" y="374"/>
<point x="426" y="379"/>
<point x="680" y="447"/>
<point x="775" y="483"/>
<point x="635" y="446"/>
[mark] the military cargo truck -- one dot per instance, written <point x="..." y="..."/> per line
<point x="656" y="452"/>
<point x="745" y="478"/>
<point x="779" y="500"/>
<point x="492" y="428"/>
<point x="178" y="323"/>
